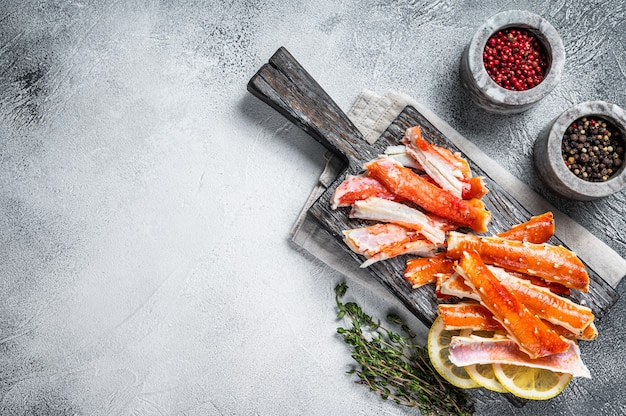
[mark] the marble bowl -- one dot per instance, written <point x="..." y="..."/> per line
<point x="483" y="90"/>
<point x="549" y="159"/>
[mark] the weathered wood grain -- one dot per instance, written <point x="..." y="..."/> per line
<point x="505" y="210"/>
<point x="288" y="88"/>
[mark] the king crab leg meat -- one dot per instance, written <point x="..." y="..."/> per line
<point x="545" y="304"/>
<point x="530" y="332"/>
<point x="378" y="209"/>
<point x="410" y="186"/>
<point x="359" y="187"/>
<point x="450" y="172"/>
<point x="474" y="316"/>
<point x="383" y="241"/>
<point x="477" y="350"/>
<point x="538" y="229"/>
<point x="424" y="270"/>
<point x="551" y="263"/>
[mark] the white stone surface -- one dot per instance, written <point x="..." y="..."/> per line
<point x="146" y="198"/>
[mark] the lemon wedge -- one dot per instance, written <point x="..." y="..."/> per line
<point x="484" y="375"/>
<point x="438" y="351"/>
<point x="531" y="383"/>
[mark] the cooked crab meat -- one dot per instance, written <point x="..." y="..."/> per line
<point x="424" y="270"/>
<point x="468" y="315"/>
<point x="383" y="241"/>
<point x="444" y="173"/>
<point x="418" y="248"/>
<point x="454" y="285"/>
<point x="357" y="188"/>
<point x="475" y="317"/>
<point x="384" y="210"/>
<point x="410" y="186"/>
<point x="551" y="263"/>
<point x="589" y="334"/>
<point x="414" y="140"/>
<point x="473" y="188"/>
<point x="439" y="277"/>
<point x="399" y="154"/>
<point x="531" y="334"/>
<point x="373" y="239"/>
<point x="468" y="350"/>
<point x="538" y="229"/>
<point x="449" y="171"/>
<point x="545" y="304"/>
<point x="556" y="288"/>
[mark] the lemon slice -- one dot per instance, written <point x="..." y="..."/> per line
<point x="531" y="383"/>
<point x="438" y="350"/>
<point x="484" y="375"/>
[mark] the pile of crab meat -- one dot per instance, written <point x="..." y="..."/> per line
<point x="421" y="200"/>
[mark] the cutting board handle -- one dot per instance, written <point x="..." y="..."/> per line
<point x="288" y="88"/>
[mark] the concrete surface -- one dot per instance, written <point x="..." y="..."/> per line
<point x="146" y="198"/>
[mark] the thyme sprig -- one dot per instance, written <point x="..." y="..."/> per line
<point x="394" y="366"/>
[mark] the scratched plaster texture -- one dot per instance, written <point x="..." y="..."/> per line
<point x="146" y="198"/>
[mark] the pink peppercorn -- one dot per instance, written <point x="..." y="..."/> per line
<point x="515" y="59"/>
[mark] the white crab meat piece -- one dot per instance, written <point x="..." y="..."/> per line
<point x="440" y="168"/>
<point x="383" y="210"/>
<point x="400" y="155"/>
<point x="359" y="187"/>
<point x="373" y="239"/>
<point x="454" y="285"/>
<point x="472" y="349"/>
<point x="421" y="248"/>
<point x="386" y="240"/>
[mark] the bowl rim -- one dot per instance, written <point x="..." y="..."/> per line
<point x="612" y="113"/>
<point x="547" y="35"/>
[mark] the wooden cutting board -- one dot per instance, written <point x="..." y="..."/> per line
<point x="287" y="87"/>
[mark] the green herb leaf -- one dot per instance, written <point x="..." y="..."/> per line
<point x="394" y="366"/>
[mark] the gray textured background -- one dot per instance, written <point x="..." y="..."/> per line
<point x="146" y="198"/>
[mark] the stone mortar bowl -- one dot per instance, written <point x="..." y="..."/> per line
<point x="483" y="90"/>
<point x="549" y="159"/>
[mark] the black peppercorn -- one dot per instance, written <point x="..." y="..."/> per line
<point x="593" y="149"/>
